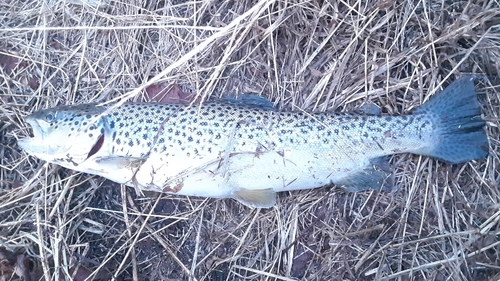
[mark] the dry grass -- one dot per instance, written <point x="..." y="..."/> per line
<point x="442" y="223"/>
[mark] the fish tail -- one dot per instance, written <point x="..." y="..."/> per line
<point x="459" y="134"/>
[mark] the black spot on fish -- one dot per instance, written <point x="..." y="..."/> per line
<point x="91" y="135"/>
<point x="145" y="136"/>
<point x="126" y="134"/>
<point x="131" y="143"/>
<point x="190" y="138"/>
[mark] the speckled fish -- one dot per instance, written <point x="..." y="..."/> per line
<point x="233" y="149"/>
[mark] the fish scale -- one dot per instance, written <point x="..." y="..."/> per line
<point x="249" y="151"/>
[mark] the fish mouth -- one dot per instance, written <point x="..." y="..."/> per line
<point x="38" y="135"/>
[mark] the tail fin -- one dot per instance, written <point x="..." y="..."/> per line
<point x="460" y="136"/>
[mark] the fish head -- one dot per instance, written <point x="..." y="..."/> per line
<point x="65" y="135"/>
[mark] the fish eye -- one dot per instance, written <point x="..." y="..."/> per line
<point x="49" y="117"/>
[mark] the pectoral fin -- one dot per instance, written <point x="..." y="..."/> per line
<point x="121" y="162"/>
<point x="376" y="176"/>
<point x="257" y="198"/>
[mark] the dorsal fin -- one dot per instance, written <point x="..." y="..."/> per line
<point x="250" y="100"/>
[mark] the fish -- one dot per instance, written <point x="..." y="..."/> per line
<point x="246" y="149"/>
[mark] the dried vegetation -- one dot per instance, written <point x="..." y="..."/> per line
<point x="441" y="223"/>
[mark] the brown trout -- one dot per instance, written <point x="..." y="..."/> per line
<point x="233" y="149"/>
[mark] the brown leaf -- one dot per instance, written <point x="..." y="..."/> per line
<point x="13" y="67"/>
<point x="315" y="72"/>
<point x="167" y="93"/>
<point x="10" y="63"/>
<point x="7" y="261"/>
<point x="81" y="273"/>
<point x="384" y="4"/>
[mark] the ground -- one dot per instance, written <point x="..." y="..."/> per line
<point x="440" y="222"/>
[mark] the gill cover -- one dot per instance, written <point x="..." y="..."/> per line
<point x="66" y="135"/>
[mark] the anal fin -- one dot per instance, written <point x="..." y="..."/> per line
<point x="376" y="176"/>
<point x="257" y="198"/>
